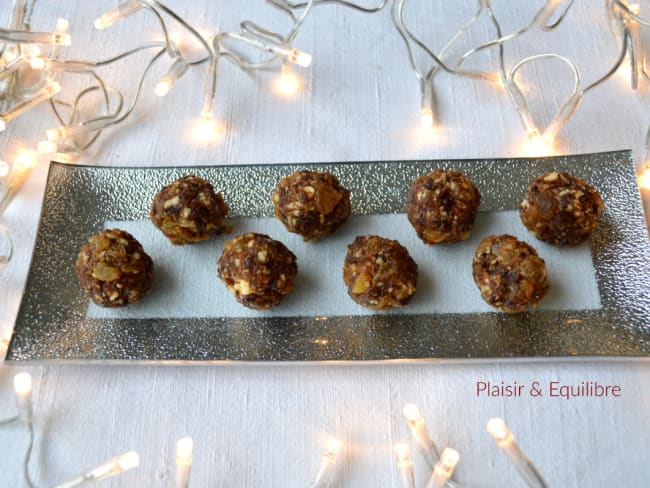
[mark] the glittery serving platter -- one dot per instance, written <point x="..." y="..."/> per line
<point x="53" y="325"/>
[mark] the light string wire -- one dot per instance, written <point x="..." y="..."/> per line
<point x="76" y="134"/>
<point x="115" y="466"/>
<point x="254" y="36"/>
<point x="442" y="466"/>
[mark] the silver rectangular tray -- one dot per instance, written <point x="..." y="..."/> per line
<point x="52" y="325"/>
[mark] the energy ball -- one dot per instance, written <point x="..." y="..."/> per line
<point x="258" y="270"/>
<point x="442" y="206"/>
<point x="311" y="203"/>
<point x="113" y="268"/>
<point x="561" y="209"/>
<point x="379" y="273"/>
<point x="188" y="210"/>
<point x="509" y="273"/>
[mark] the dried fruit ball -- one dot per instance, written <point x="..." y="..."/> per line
<point x="509" y="273"/>
<point x="311" y="203"/>
<point x="258" y="270"/>
<point x="442" y="206"/>
<point x="188" y="210"/>
<point x="561" y="209"/>
<point x="379" y="273"/>
<point x="113" y="268"/>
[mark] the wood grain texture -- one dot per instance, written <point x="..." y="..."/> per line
<point x="265" y="426"/>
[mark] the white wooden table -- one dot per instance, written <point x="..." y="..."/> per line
<point x="266" y="426"/>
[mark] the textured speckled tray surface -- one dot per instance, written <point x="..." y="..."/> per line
<point x="53" y="324"/>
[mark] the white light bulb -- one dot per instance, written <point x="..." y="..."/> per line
<point x="498" y="429"/>
<point x="287" y="83"/>
<point x="3" y="125"/>
<point x="301" y="59"/>
<point x="403" y="454"/>
<point x="62" y="25"/>
<point x="163" y="87"/>
<point x="184" y="448"/>
<point x="47" y="147"/>
<point x="426" y="117"/>
<point x="23" y="384"/>
<point x="23" y="390"/>
<point x="449" y="458"/>
<point x="128" y="461"/>
<point x="333" y="446"/>
<point x="411" y="412"/>
<point x="644" y="178"/>
<point x="37" y="63"/>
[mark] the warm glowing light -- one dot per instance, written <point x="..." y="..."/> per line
<point x="206" y="130"/>
<point x="426" y="117"/>
<point x="333" y="446"/>
<point x="3" y="125"/>
<point x="403" y="454"/>
<point x="536" y="145"/>
<point x="493" y="77"/>
<point x="499" y="430"/>
<point x="54" y="88"/>
<point x="644" y="178"/>
<point x="184" y="448"/>
<point x="4" y="169"/>
<point x="31" y="50"/>
<point x="61" y="39"/>
<point x="321" y="342"/>
<point x="128" y="461"/>
<point x="175" y="37"/>
<point x="55" y="134"/>
<point x="287" y="83"/>
<point x="23" y="390"/>
<point x="444" y="468"/>
<point x="23" y="384"/>
<point x="25" y="161"/>
<point x="102" y="22"/>
<point x="47" y="147"/>
<point x="449" y="459"/>
<point x="37" y="63"/>
<point x="411" y="412"/>
<point x="9" y="55"/>
<point x="163" y="87"/>
<point x="405" y="465"/>
<point x="62" y="25"/>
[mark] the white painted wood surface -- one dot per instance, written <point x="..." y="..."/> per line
<point x="265" y="426"/>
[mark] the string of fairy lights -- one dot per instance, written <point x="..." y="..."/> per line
<point x="33" y="71"/>
<point x="441" y="466"/>
<point x="29" y="77"/>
